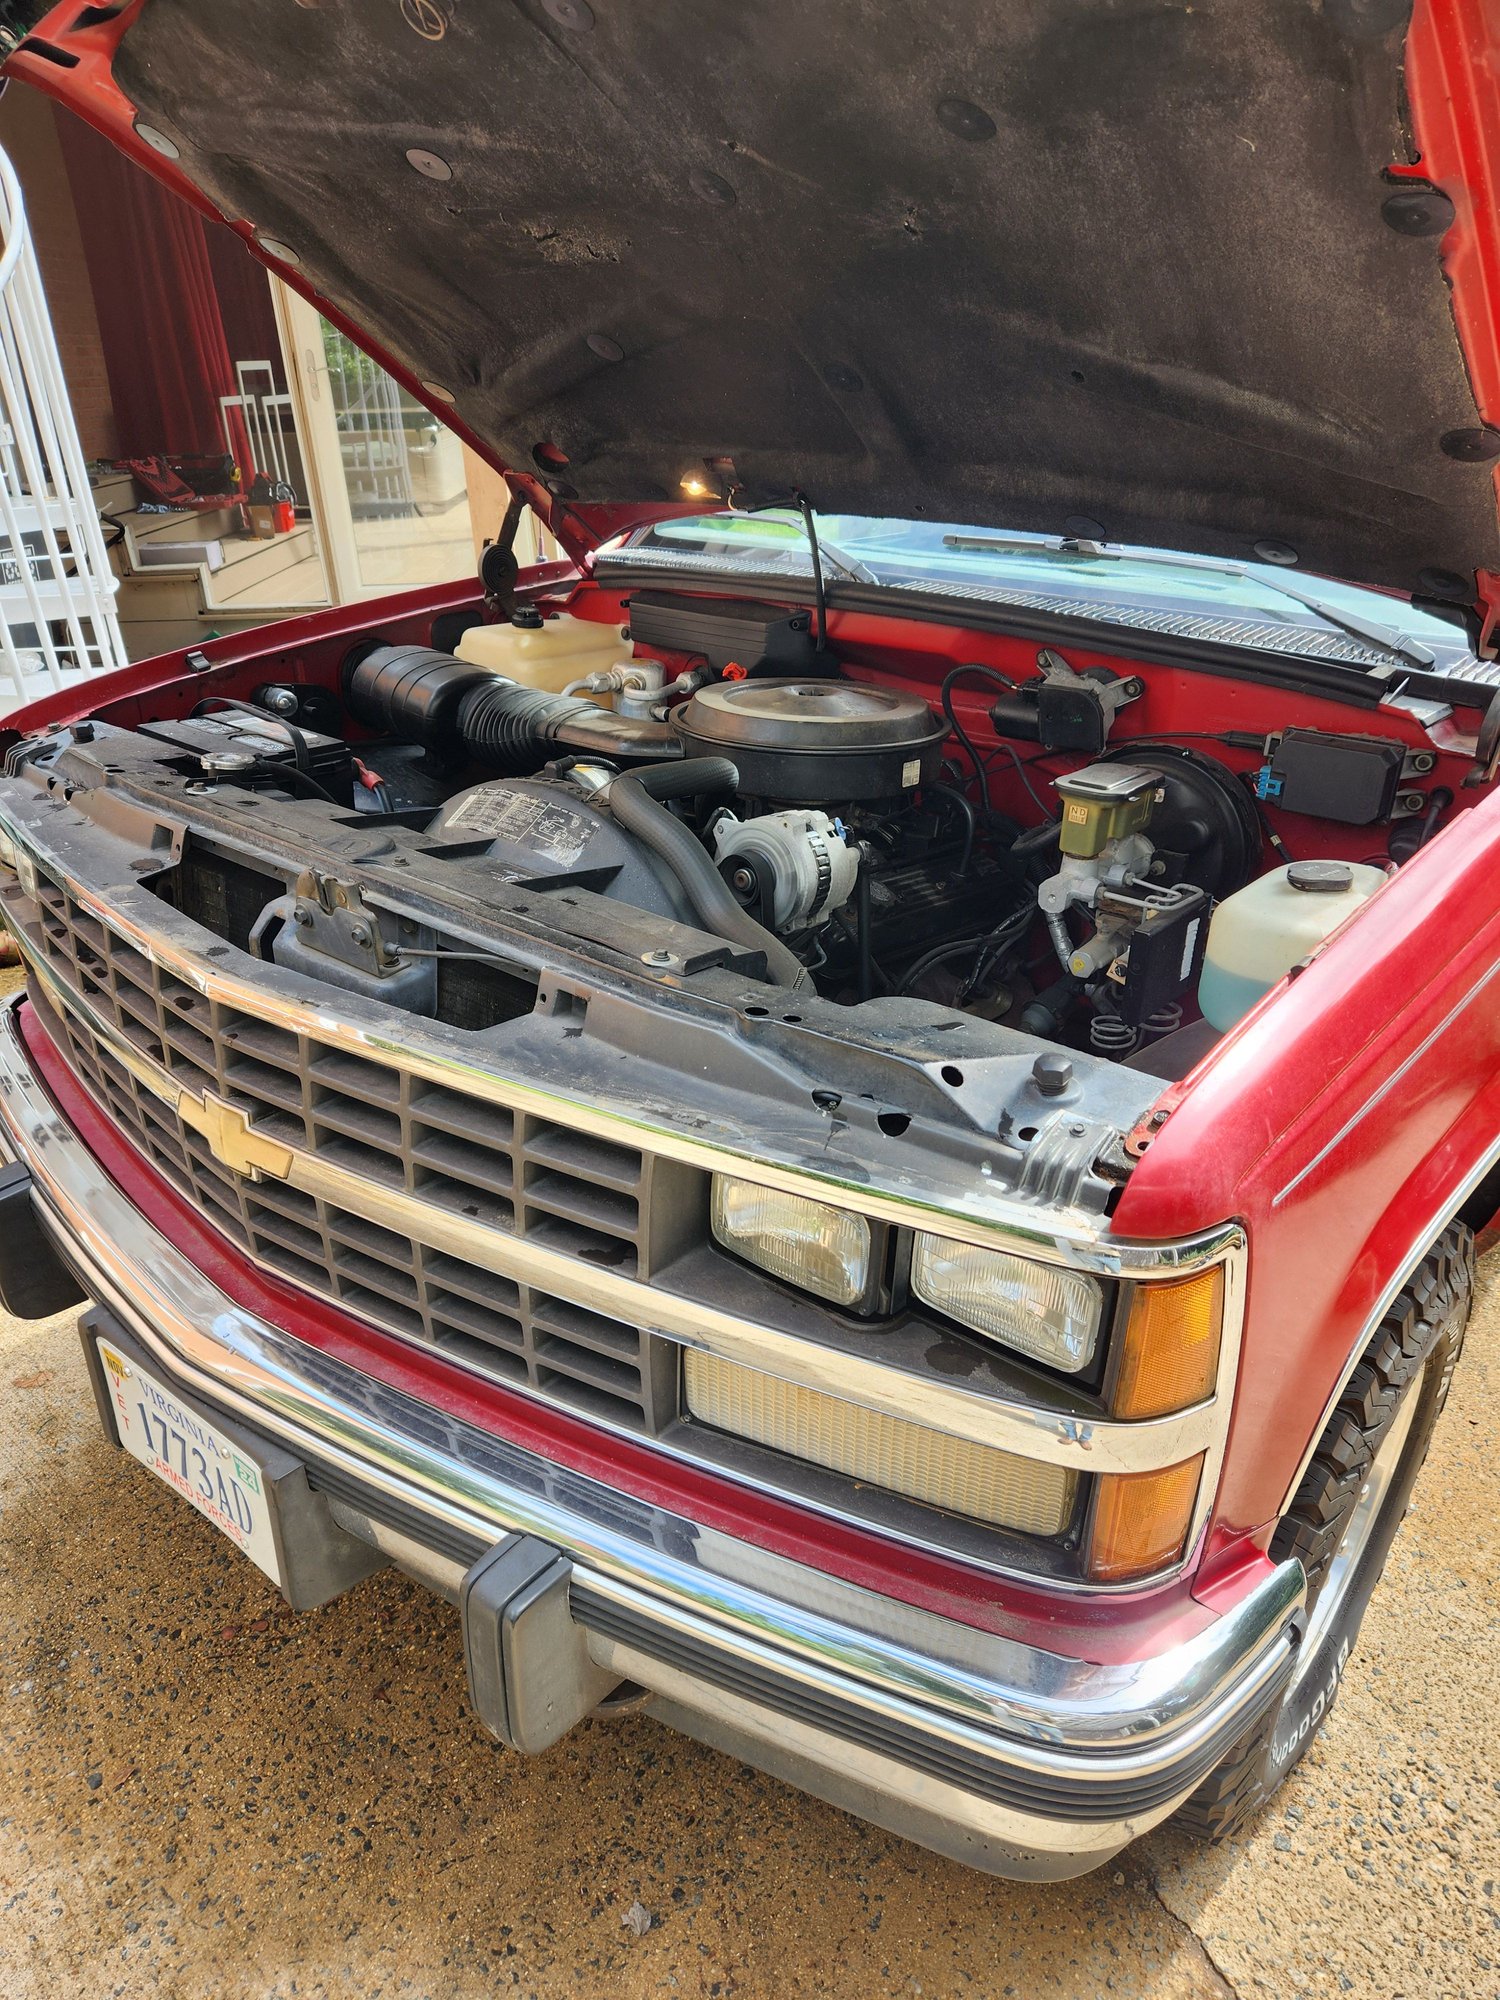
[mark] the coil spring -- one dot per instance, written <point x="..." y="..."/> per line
<point x="1165" y="1021"/>
<point x="1110" y="1036"/>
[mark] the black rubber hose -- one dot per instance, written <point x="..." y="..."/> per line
<point x="635" y="799"/>
<point x="966" y="813"/>
<point x="865" y="962"/>
<point x="1044" y="1015"/>
<point x="693" y="778"/>
<point x="508" y="726"/>
<point x="1036" y="838"/>
<point x="418" y="695"/>
<point x="410" y="692"/>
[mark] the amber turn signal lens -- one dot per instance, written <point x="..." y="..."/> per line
<point x="1170" y="1355"/>
<point x="1141" y="1520"/>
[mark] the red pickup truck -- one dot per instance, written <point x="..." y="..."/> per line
<point x="891" y="1171"/>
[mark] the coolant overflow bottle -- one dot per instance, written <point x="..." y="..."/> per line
<point x="1263" y="930"/>
<point x="549" y="653"/>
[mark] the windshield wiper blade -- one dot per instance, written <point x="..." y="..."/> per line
<point x="1034" y="545"/>
<point x="1388" y="637"/>
<point x="837" y="558"/>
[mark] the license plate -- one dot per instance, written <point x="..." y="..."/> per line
<point x="192" y="1457"/>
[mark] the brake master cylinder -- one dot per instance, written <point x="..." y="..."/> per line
<point x="1106" y="809"/>
<point x="1140" y="962"/>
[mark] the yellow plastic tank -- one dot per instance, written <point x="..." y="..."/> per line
<point x="540" y="652"/>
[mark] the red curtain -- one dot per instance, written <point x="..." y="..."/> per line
<point x="244" y="294"/>
<point x="165" y="349"/>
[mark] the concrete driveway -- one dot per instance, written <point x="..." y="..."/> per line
<point x="201" y="1793"/>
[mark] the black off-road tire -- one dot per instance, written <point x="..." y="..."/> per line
<point x="1414" y="1350"/>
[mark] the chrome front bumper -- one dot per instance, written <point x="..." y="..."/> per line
<point x="1016" y="1760"/>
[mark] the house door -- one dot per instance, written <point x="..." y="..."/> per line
<point x="389" y="482"/>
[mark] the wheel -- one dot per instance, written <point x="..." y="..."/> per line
<point x="1344" y="1516"/>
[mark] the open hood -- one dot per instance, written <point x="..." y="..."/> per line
<point x="1175" y="272"/>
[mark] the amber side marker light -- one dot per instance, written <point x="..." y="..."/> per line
<point x="1169" y="1360"/>
<point x="1141" y="1520"/>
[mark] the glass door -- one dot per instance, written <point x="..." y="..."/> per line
<point x="389" y="481"/>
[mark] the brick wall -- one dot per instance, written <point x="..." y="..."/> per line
<point x="28" y="133"/>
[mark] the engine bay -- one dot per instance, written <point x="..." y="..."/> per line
<point x="821" y="823"/>
<point x="708" y="790"/>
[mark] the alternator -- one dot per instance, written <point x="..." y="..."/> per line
<point x="798" y="864"/>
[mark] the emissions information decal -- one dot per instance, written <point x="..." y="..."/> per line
<point x="541" y="826"/>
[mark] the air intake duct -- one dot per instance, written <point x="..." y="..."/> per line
<point x="420" y="696"/>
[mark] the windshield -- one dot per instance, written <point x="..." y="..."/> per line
<point x="1254" y="604"/>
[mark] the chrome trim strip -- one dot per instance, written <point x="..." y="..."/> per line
<point x="883" y="1776"/>
<point x="1423" y="1240"/>
<point x="1080" y="1444"/>
<point x="1148" y="1758"/>
<point x="1378" y="1097"/>
<point x="1031" y="1709"/>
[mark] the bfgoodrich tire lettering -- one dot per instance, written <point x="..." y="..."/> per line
<point x="1344" y="1516"/>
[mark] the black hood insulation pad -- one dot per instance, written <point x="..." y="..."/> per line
<point x="1089" y="266"/>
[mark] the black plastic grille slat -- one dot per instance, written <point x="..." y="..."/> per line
<point x="460" y="1159"/>
<point x="354" y="1077"/>
<point x="356" y="1120"/>
<point x="467" y="1316"/>
<point x="462" y="1156"/>
<point x="470" y="1202"/>
<point x="257" y="1082"/>
<point x="487" y="1125"/>
<point x="599" y="1160"/>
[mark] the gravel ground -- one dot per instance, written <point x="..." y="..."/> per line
<point x="202" y="1793"/>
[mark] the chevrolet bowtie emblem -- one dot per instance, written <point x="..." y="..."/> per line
<point x="230" y="1139"/>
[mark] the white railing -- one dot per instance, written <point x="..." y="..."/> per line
<point x="57" y="591"/>
<point x="261" y="411"/>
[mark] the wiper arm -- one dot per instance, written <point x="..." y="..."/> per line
<point x="1388" y="637"/>
<point x="851" y="566"/>
<point x="818" y="543"/>
<point x="801" y="512"/>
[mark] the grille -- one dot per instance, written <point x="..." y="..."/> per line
<point x="530" y="1177"/>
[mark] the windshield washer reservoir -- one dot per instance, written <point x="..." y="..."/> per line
<point x="1263" y="930"/>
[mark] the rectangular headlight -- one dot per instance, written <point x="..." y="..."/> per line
<point x="809" y="1243"/>
<point x="1050" y="1314"/>
<point x="978" y="1481"/>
